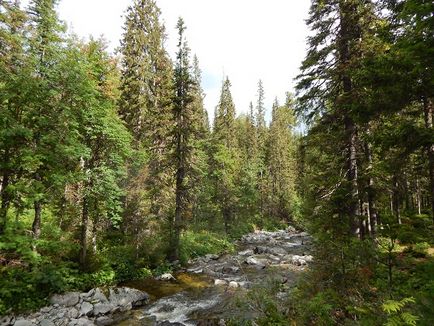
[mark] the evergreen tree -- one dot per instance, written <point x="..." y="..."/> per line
<point x="224" y="155"/>
<point x="15" y="74"/>
<point x="145" y="105"/>
<point x="188" y="121"/>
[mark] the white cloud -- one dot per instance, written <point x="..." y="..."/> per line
<point x="244" y="39"/>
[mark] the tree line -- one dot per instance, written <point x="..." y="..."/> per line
<point x="102" y="151"/>
<point x="366" y="164"/>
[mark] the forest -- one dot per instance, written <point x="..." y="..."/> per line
<point x="111" y="169"/>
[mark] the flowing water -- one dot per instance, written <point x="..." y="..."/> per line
<point x="211" y="289"/>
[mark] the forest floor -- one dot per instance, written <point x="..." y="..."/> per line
<point x="214" y="289"/>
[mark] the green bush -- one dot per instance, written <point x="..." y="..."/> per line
<point x="195" y="244"/>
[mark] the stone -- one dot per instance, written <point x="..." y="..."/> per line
<point x="46" y="322"/>
<point x="23" y="322"/>
<point x="233" y="284"/>
<point x="298" y="260"/>
<point x="73" y="313"/>
<point x="84" y="322"/>
<point x="6" y="320"/>
<point x="255" y="261"/>
<point x="68" y="299"/>
<point x="247" y="252"/>
<point x="87" y="295"/>
<point x="102" y="308"/>
<point x="166" y="277"/>
<point x="230" y="269"/>
<point x="196" y="270"/>
<point x="127" y="296"/>
<point x="104" y="321"/>
<point x="99" y="296"/>
<point x="46" y="310"/>
<point x="219" y="282"/>
<point x="85" y="309"/>
<point x="212" y="256"/>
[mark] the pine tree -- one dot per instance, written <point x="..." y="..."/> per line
<point x="328" y="83"/>
<point x="15" y="74"/>
<point x="225" y="153"/>
<point x="281" y="163"/>
<point x="47" y="114"/>
<point x="145" y="105"/>
<point x="188" y="121"/>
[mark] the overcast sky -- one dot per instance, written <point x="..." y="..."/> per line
<point x="246" y="40"/>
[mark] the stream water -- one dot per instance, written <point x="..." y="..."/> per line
<point x="211" y="289"/>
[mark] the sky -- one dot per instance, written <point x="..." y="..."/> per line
<point x="246" y="40"/>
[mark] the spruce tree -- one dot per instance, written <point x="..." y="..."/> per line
<point x="187" y="124"/>
<point x="15" y="74"/>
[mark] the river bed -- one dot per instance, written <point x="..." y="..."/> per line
<point x="208" y="292"/>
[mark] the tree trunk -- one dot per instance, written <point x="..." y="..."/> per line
<point x="36" y="226"/>
<point x="347" y="33"/>
<point x="179" y="199"/>
<point x="352" y="176"/>
<point x="83" y="233"/>
<point x="5" y="199"/>
<point x="396" y="199"/>
<point x="372" y="211"/>
<point x="428" y="109"/>
<point x="418" y="197"/>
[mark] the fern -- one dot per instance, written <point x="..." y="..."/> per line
<point x="397" y="317"/>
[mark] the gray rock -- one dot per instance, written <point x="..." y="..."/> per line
<point x="73" y="313"/>
<point x="46" y="310"/>
<point x="247" y="252"/>
<point x="87" y="295"/>
<point x="104" y="321"/>
<point x="212" y="256"/>
<point x="219" y="282"/>
<point x="230" y="269"/>
<point x="85" y="309"/>
<point x="6" y="320"/>
<point x="256" y="261"/>
<point x="68" y="299"/>
<point x="166" y="277"/>
<point x="23" y="322"/>
<point x="102" y="308"/>
<point x="84" y="322"/>
<point x="233" y="284"/>
<point x="46" y="322"/>
<point x="125" y="296"/>
<point x="99" y="296"/>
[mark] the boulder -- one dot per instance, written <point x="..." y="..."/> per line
<point x="73" y="313"/>
<point x="247" y="252"/>
<point x="85" y="309"/>
<point x="212" y="256"/>
<point x="256" y="261"/>
<point x="230" y="269"/>
<point x="99" y="296"/>
<point x="102" y="308"/>
<point x="104" y="321"/>
<point x="23" y="322"/>
<point x="68" y="299"/>
<point x="219" y="282"/>
<point x="166" y="277"/>
<point x="125" y="296"/>
<point x="233" y="284"/>
<point x="83" y="322"/>
<point x="46" y="322"/>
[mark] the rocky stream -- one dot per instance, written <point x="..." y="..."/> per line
<point x="204" y="293"/>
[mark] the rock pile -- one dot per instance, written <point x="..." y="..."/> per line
<point x="82" y="309"/>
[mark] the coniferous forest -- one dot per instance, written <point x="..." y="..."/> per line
<point x="111" y="170"/>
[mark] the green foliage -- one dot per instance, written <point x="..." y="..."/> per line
<point x="195" y="244"/>
<point x="396" y="315"/>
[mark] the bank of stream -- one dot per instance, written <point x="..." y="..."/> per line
<point x="208" y="291"/>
